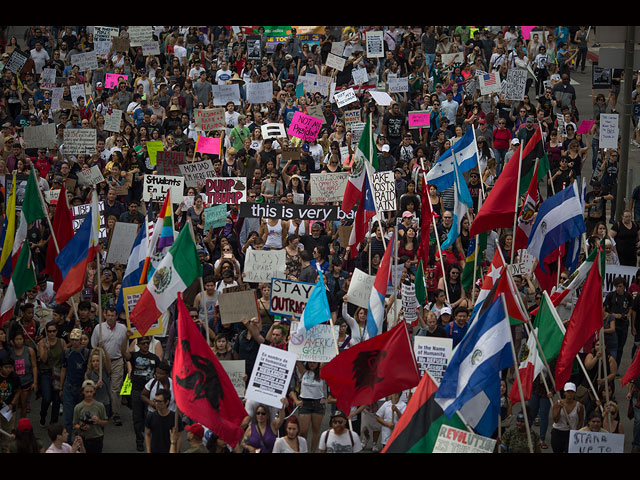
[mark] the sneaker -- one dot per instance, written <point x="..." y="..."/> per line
<point x="117" y="421"/>
<point x="543" y="445"/>
<point x="536" y="421"/>
<point x="375" y="449"/>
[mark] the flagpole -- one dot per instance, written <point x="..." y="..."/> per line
<point x="335" y="342"/>
<point x="515" y="215"/>
<point x="603" y="358"/>
<point x="202" y="291"/>
<point x="517" y="371"/>
<point x="475" y="143"/>
<point x="530" y="331"/>
<point x="98" y="262"/>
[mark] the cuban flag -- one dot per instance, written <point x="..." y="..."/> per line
<point x="463" y="154"/>
<point x="462" y="203"/>
<point x="375" y="314"/>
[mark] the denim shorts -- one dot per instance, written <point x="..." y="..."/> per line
<point x="310" y="406"/>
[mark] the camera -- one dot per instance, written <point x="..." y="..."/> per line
<point x="86" y="419"/>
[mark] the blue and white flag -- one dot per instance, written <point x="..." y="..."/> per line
<point x="462" y="203"/>
<point x="317" y="310"/>
<point x="560" y="220"/>
<point x="465" y="154"/>
<point x="134" y="266"/>
<point x="574" y="247"/>
<point x="471" y="382"/>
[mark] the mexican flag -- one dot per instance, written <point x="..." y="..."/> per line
<point x="355" y="183"/>
<point x="22" y="280"/>
<point x="421" y="287"/>
<point x="529" y="368"/>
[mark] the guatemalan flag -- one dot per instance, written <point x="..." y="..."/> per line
<point x="375" y="314"/>
<point x="317" y="310"/>
<point x="135" y="266"/>
<point x="464" y="154"/>
<point x="462" y="203"/>
<point x="560" y="220"/>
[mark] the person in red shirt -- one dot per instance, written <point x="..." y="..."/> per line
<point x="42" y="162"/>
<point x="501" y="140"/>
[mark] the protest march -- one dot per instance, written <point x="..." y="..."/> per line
<point x="317" y="239"/>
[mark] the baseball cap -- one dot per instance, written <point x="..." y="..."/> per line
<point x="385" y="148"/>
<point x="445" y="310"/>
<point x="196" y="429"/>
<point x="338" y="413"/>
<point x="515" y="141"/>
<point x="569" y="387"/>
<point x="305" y="147"/>
<point x="89" y="383"/>
<point x="407" y="214"/>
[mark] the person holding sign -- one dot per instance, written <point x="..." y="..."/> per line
<point x="260" y="436"/>
<point x="312" y="400"/>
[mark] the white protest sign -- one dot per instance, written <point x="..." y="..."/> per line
<point x="335" y="62"/>
<point x="235" y="370"/>
<point x="139" y="35"/>
<point x="51" y="196"/>
<point x="375" y="44"/>
<point x="86" y="61"/>
<point x="433" y="355"/>
<point x="515" y="84"/>
<point x="562" y="128"/>
<point x="90" y="176"/>
<point x="520" y="268"/>
<point x="398" y="84"/>
<point x="16" y="62"/>
<point x="454" y="440"/>
<point x="79" y="141"/>
<point x="360" y="76"/>
<point x="222" y="94"/>
<point x="315" y="83"/>
<point x="273" y="130"/>
<point x="345" y="97"/>
<point x="384" y="191"/>
<point x="48" y="78"/>
<point x="289" y="297"/>
<point x="611" y="272"/>
<point x="595" y="442"/>
<point x="112" y="120"/>
<point x="328" y="187"/>
<point x="609" y="130"/>
<point x="457" y="57"/>
<point x="105" y="33"/>
<point x="234" y="306"/>
<point x="356" y="132"/>
<point x="195" y="174"/>
<point x="261" y="266"/>
<point x="150" y="48"/>
<point x="56" y="96"/>
<point x="155" y="188"/>
<point x="208" y="119"/>
<point x="102" y="47"/>
<point x="360" y="288"/>
<point x="337" y="48"/>
<point x="271" y="375"/>
<point x="261" y="92"/>
<point x="40" y="136"/>
<point x="124" y="234"/>
<point x="381" y="98"/>
<point x="489" y="83"/>
<point x="409" y="302"/>
<point x="77" y="91"/>
<point x="81" y="211"/>
<point x="313" y="345"/>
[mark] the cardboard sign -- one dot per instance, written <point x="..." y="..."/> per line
<point x="41" y="136"/>
<point x="305" y="127"/>
<point x="454" y="440"/>
<point x="231" y="190"/>
<point x="289" y="297"/>
<point x="316" y="111"/>
<point x="344" y="232"/>
<point x="209" y="119"/>
<point x="124" y="234"/>
<point x="112" y="80"/>
<point x="314" y="345"/>
<point x="335" y="62"/>
<point x="155" y="188"/>
<point x="131" y="295"/>
<point x="120" y="44"/>
<point x="91" y="176"/>
<point x="419" y="119"/>
<point x="222" y="94"/>
<point x="195" y="174"/>
<point x="595" y="442"/>
<point x="215" y="216"/>
<point x="113" y="120"/>
<point x="384" y="191"/>
<point x="271" y="376"/>
<point x="261" y="92"/>
<point x="397" y="84"/>
<point x="235" y="371"/>
<point x="152" y="149"/>
<point x="433" y="355"/>
<point x="290" y="212"/>
<point x="360" y="288"/>
<point x="260" y="266"/>
<point x="139" y="35"/>
<point x="86" y="61"/>
<point x="273" y="130"/>
<point x="328" y="187"/>
<point x="291" y="153"/>
<point x="238" y="305"/>
<point x="609" y="130"/>
<point x="48" y="78"/>
<point x="208" y="145"/>
<point x="79" y="141"/>
<point x="345" y="97"/>
<point x="375" y="44"/>
<point x="168" y="163"/>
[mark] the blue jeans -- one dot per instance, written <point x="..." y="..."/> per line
<point x="71" y="396"/>
<point x="50" y="397"/>
<point x="429" y="58"/>
<point x="538" y="404"/>
<point x="500" y="153"/>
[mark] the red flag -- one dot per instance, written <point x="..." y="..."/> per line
<point x="633" y="371"/>
<point x="369" y="371"/>
<point x="527" y="212"/>
<point x="586" y="320"/>
<point x="548" y="280"/>
<point x="425" y="224"/>
<point x="63" y="230"/>
<point x="203" y="391"/>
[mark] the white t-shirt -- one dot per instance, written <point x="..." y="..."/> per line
<point x="388" y="415"/>
<point x="281" y="446"/>
<point x="332" y="443"/>
<point x="310" y="388"/>
<point x="222" y="76"/>
<point x="179" y="52"/>
<point x="158" y="386"/>
<point x="40" y="58"/>
<point x="65" y="448"/>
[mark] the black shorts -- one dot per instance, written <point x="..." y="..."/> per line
<point x="310" y="406"/>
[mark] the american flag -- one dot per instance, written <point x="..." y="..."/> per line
<point x="489" y="79"/>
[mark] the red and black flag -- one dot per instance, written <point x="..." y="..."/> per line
<point x="373" y="369"/>
<point x="202" y="388"/>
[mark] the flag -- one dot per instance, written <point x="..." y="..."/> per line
<point x="529" y="368"/>
<point x="366" y="211"/>
<point x="161" y="239"/>
<point x="10" y="231"/>
<point x="202" y="388"/>
<point x="135" y="266"/>
<point x="73" y="260"/>
<point x="489" y="79"/>
<point x="375" y="313"/>
<point x="178" y="269"/>
<point x="462" y="203"/>
<point x="472" y="261"/>
<point x="317" y="310"/>
<point x="427" y="218"/>
<point x="372" y="369"/>
<point x="355" y="183"/>
<point x="586" y="320"/>
<point x="471" y="382"/>
<point x="63" y="231"/>
<point x="532" y="150"/>
<point x="418" y="428"/>
<point x="575" y="246"/>
<point x="633" y="371"/>
<point x="463" y="155"/>
<point x="560" y="219"/>
<point x="22" y="280"/>
<point x="549" y="328"/>
<point x="421" y="286"/>
<point x="527" y="212"/>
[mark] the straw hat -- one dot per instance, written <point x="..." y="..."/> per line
<point x="235" y="78"/>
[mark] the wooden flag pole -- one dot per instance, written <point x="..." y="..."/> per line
<point x="515" y="215"/>
<point x="603" y="359"/>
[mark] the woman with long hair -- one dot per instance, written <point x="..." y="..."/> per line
<point x="25" y="440"/>
<point x="260" y="436"/>
<point x="312" y="401"/>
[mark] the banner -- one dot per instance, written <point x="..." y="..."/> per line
<point x="79" y="141"/>
<point x="195" y="174"/>
<point x="384" y="191"/>
<point x="328" y="187"/>
<point x="168" y="163"/>
<point x="314" y="345"/>
<point x="215" y="216"/>
<point x="581" y="441"/>
<point x="271" y="375"/>
<point x="209" y="119"/>
<point x="433" y="354"/>
<point x="235" y="370"/>
<point x="454" y="440"/>
<point x="231" y="190"/>
<point x="305" y="127"/>
<point x="155" y="188"/>
<point x="131" y="295"/>
<point x="260" y="266"/>
<point x="360" y="288"/>
<point x="289" y="297"/>
<point x="235" y="306"/>
<point x="289" y="212"/>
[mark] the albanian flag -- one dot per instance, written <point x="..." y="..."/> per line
<point x="202" y="388"/>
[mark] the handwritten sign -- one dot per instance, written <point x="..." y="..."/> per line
<point x="336" y="62"/>
<point x="398" y="84"/>
<point x="168" y="163"/>
<point x="234" y="306"/>
<point x="314" y="345"/>
<point x="79" y="141"/>
<point x="112" y="80"/>
<point x="231" y="190"/>
<point x="260" y="266"/>
<point x="112" y="120"/>
<point x="41" y="136"/>
<point x="90" y="176"/>
<point x="328" y="187"/>
<point x="155" y="188"/>
<point x="345" y="97"/>
<point x="120" y="44"/>
<point x="360" y="76"/>
<point x="131" y="295"/>
<point x="261" y="92"/>
<point x="375" y="44"/>
<point x="433" y="355"/>
<point x="48" y="78"/>
<point x="208" y="119"/>
<point x="81" y="211"/>
<point x="77" y="91"/>
<point x="515" y="85"/>
<point x="305" y="127"/>
<point x="288" y="297"/>
<point x="271" y="376"/>
<point x="152" y="149"/>
<point x="384" y="191"/>
<point x="139" y="35"/>
<point x="208" y="145"/>
<point x="360" y="288"/>
<point x="150" y="48"/>
<point x="595" y="442"/>
<point x="56" y="97"/>
<point x="291" y="153"/>
<point x="222" y="94"/>
<point x="454" y="440"/>
<point x="86" y="61"/>
<point x="419" y="119"/>
<point x="235" y="371"/>
<point x="609" y="130"/>
<point x="409" y="302"/>
<point x="215" y="216"/>
<point x="452" y="58"/>
<point x="337" y="48"/>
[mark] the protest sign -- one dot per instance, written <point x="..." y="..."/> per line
<point x="112" y="120"/>
<point x="102" y="47"/>
<point x="81" y="211"/>
<point x="520" y="268"/>
<point x="273" y="130"/>
<point x="454" y="440"/>
<point x="375" y="44"/>
<point x="105" y="33"/>
<point x="271" y="375"/>
<point x="150" y="48"/>
<point x="51" y="196"/>
<point x="315" y="83"/>
<point x="328" y="187"/>
<point x="526" y="31"/>
<point x="124" y="234"/>
<point x="139" y="35"/>
<point x="360" y="76"/>
<point x="562" y="131"/>
<point x="611" y="272"/>
<point x="261" y="266"/>
<point x="243" y="287"/>
<point x="16" y="62"/>
<point x="381" y="98"/>
<point x="289" y="297"/>
<point x="351" y="117"/>
<point x="48" y="78"/>
<point x="344" y="232"/>
<point x="235" y="370"/>
<point x="155" y="188"/>
<point x="360" y="288"/>
<point x="207" y="119"/>
<point x="433" y="355"/>
<point x="305" y="127"/>
<point x="254" y="47"/>
<point x="90" y="176"/>
<point x="489" y="83"/>
<point x="261" y="92"/>
<point x="234" y="306"/>
<point x="409" y="302"/>
<point x="600" y="77"/>
<point x="291" y="153"/>
<point x="222" y="94"/>
<point x="195" y="174"/>
<point x="298" y="198"/>
<point x="168" y="163"/>
<point x="120" y="44"/>
<point x="79" y="141"/>
<point x="290" y="212"/>
<point x="131" y="295"/>
<point x="384" y="191"/>
<point x="231" y="190"/>
<point x="337" y="48"/>
<point x="77" y="91"/>
<point x="215" y="216"/>
<point x="314" y="345"/>
<point x="336" y="62"/>
<point x="316" y="111"/>
<point x="112" y="79"/>
<point x="208" y="145"/>
<point x="86" y="61"/>
<point x="397" y="84"/>
<point x="56" y="97"/>
<point x="419" y="119"/>
<point x="585" y="126"/>
<point x="515" y="85"/>
<point x="41" y="136"/>
<point x="452" y="58"/>
<point x="153" y="148"/>
<point x="581" y="441"/>
<point x="345" y="97"/>
<point x="609" y="130"/>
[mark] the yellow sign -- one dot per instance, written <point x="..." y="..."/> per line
<point x="152" y="149"/>
<point x="126" y="386"/>
<point x="131" y="296"/>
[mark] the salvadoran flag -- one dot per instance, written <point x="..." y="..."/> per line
<point x="317" y="310"/>
<point x="375" y="313"/>
<point x="464" y="153"/>
<point x="462" y="203"/>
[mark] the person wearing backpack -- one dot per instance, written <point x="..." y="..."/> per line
<point x="74" y="366"/>
<point x="339" y="439"/>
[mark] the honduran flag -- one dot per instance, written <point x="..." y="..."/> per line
<point x="375" y="314"/>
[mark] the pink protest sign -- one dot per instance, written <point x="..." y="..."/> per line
<point x="111" y="80"/>
<point x="585" y="126"/>
<point x="305" y="127"/>
<point x="419" y="119"/>
<point x="526" y="32"/>
<point x="208" y="145"/>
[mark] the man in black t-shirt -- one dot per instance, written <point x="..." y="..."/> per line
<point x="393" y="127"/>
<point x="618" y="305"/>
<point x="159" y="423"/>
